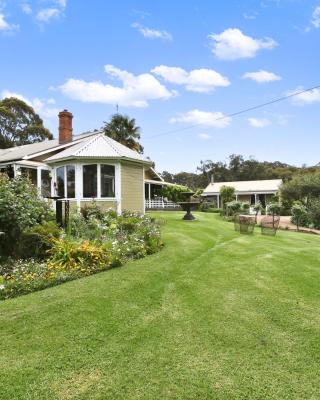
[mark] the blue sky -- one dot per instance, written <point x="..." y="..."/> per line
<point x="172" y="65"/>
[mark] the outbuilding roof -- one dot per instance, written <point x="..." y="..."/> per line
<point x="261" y="186"/>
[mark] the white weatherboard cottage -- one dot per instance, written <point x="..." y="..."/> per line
<point x="248" y="191"/>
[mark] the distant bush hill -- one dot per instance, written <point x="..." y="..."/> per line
<point x="237" y="168"/>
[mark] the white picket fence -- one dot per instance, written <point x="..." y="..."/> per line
<point x="161" y="204"/>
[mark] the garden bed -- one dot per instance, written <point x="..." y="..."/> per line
<point x="93" y="243"/>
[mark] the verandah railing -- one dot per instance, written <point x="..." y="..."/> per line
<point x="159" y="204"/>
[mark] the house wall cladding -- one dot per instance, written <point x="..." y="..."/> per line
<point x="132" y="186"/>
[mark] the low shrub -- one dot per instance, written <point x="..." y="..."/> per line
<point x="234" y="208"/>
<point x="35" y="242"/>
<point x="91" y="210"/>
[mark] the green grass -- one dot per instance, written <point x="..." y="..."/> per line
<point x="214" y="315"/>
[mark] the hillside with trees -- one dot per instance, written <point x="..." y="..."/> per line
<point x="236" y="168"/>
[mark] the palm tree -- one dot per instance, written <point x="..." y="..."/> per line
<point x="124" y="130"/>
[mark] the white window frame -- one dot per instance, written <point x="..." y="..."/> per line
<point x="65" y="180"/>
<point x="116" y="181"/>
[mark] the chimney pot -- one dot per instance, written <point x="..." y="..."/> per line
<point x="65" y="126"/>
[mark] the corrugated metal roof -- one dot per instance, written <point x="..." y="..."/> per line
<point x="267" y="185"/>
<point x="98" y="146"/>
<point x="27" y="150"/>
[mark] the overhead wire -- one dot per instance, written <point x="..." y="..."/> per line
<point x="237" y="112"/>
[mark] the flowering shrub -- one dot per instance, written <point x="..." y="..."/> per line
<point x="20" y="209"/>
<point x="92" y="244"/>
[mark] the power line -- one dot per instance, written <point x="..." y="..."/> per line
<point x="237" y="112"/>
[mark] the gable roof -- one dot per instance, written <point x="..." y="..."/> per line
<point x="263" y="186"/>
<point x="28" y="151"/>
<point x="98" y="146"/>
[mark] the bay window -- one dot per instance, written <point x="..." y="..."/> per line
<point x="90" y="178"/>
<point x="60" y="181"/>
<point x="107" y="180"/>
<point x="66" y="181"/>
<point x="71" y="186"/>
<point x="98" y="181"/>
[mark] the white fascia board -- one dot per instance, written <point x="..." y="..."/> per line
<point x="58" y="147"/>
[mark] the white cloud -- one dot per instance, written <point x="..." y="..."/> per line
<point x="312" y="96"/>
<point x="26" y="8"/>
<point x="151" y="33"/>
<point x="198" y="80"/>
<point x="136" y="90"/>
<point x="214" y="119"/>
<point x="204" y="136"/>
<point x="56" y="10"/>
<point x="232" y="44"/>
<point x="5" y="26"/>
<point x="259" y="122"/>
<point x="262" y="76"/>
<point x="62" y="3"/>
<point x="46" y="14"/>
<point x="40" y="106"/>
<point x="316" y="17"/>
<point x="252" y="15"/>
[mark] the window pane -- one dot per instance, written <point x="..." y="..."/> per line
<point x="71" y="182"/>
<point x="30" y="173"/>
<point x="45" y="183"/>
<point x="107" y="180"/>
<point x="60" y="181"/>
<point x="7" y="170"/>
<point x="90" y="180"/>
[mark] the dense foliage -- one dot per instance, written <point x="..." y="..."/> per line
<point x="20" y="124"/>
<point x="124" y="130"/>
<point x="304" y="189"/>
<point x="20" y="209"/>
<point x="299" y="215"/>
<point x="93" y="242"/>
<point x="174" y="192"/>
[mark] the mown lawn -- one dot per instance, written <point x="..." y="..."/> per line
<point x="214" y="315"/>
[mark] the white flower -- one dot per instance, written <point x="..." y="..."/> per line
<point x="1" y="287"/>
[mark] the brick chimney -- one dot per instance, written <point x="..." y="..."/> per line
<point x="65" y="126"/>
